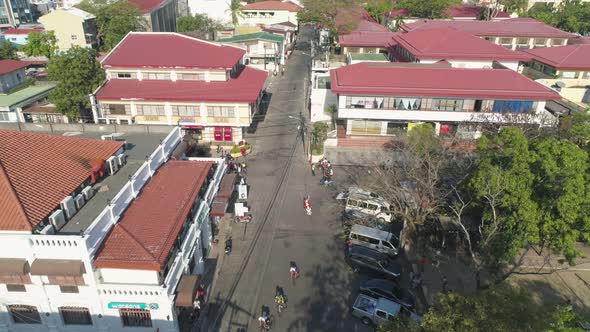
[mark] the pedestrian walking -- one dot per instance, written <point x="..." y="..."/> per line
<point x="282" y="70"/>
<point x="312" y="169"/>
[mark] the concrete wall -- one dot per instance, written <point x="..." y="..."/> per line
<point x="12" y="79"/>
<point x="68" y="29"/>
<point x="124" y="276"/>
<point x="87" y="127"/>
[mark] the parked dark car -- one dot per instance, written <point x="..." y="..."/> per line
<point x="389" y="290"/>
<point x="355" y="217"/>
<point x="362" y="258"/>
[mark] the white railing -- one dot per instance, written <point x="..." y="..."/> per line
<point x="174" y="274"/>
<point x="110" y="215"/>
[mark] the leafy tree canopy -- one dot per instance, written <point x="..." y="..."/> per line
<point x="77" y="74"/>
<point x="113" y="20"/>
<point x="571" y="15"/>
<point x="427" y="8"/>
<point x="324" y="12"/>
<point x="8" y="51"/>
<point x="40" y="44"/>
<point x="378" y="8"/>
<point x="199" y="23"/>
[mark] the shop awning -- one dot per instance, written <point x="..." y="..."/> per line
<point x="57" y="267"/>
<point x="187" y="289"/>
<point x="218" y="207"/>
<point x="227" y="186"/>
<point x="10" y="266"/>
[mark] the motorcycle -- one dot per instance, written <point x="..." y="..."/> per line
<point x="307" y="207"/>
<point x="228" y="245"/>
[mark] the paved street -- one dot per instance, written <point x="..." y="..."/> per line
<point x="279" y="177"/>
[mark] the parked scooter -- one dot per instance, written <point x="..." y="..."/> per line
<point x="228" y="245"/>
<point x="307" y="206"/>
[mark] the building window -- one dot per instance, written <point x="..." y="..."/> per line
<point x="74" y="37"/>
<point x="191" y="77"/>
<point x="143" y="109"/>
<point x="569" y="74"/>
<point x="362" y="127"/>
<point x="384" y="103"/>
<point x="549" y="71"/>
<point x="69" y="289"/>
<point x="125" y="75"/>
<point x="75" y="316"/>
<point x="512" y="106"/>
<point x="135" y="317"/>
<point x="220" y="111"/>
<point x="15" y="288"/>
<point x="505" y="40"/>
<point x="540" y="41"/>
<point x="4" y="116"/>
<point x="556" y="42"/>
<point x="184" y="110"/>
<point x="156" y="76"/>
<point x="115" y="109"/>
<point x="24" y="314"/>
<point x="447" y="104"/>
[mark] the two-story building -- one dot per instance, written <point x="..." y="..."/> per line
<point x="261" y="47"/>
<point x="17" y="94"/>
<point x="569" y="62"/>
<point x="172" y="79"/>
<point x="386" y="99"/>
<point x="72" y="27"/>
<point x="18" y="36"/>
<point x="159" y="15"/>
<point x="514" y="33"/>
<point x="124" y="257"/>
<point x="359" y="33"/>
<point x="460" y="49"/>
<point x="269" y="12"/>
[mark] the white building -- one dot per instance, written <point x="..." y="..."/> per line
<point x="388" y="99"/>
<point x="215" y="9"/>
<point x="76" y="262"/>
<point x="269" y="12"/>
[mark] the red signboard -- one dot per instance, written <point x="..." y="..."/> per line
<point x="218" y="133"/>
<point x="227" y="134"/>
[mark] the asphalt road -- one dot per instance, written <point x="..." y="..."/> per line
<point x="279" y="178"/>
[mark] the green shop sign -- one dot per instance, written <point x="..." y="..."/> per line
<point x="204" y="213"/>
<point x="132" y="305"/>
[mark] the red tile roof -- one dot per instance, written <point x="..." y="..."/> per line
<point x="461" y="11"/>
<point x="170" y="50"/>
<point x="573" y="57"/>
<point x="515" y="27"/>
<point x="146" y="6"/>
<point x="393" y="80"/>
<point x="149" y="227"/>
<point x="447" y="43"/>
<point x="272" y="5"/>
<point x="37" y="171"/>
<point x="7" y="66"/>
<point x="21" y="31"/>
<point x="245" y="88"/>
<point x="375" y="39"/>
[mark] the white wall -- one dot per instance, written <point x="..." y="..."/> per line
<point x="215" y="9"/>
<point x="320" y="99"/>
<point x="125" y="276"/>
<point x="278" y="17"/>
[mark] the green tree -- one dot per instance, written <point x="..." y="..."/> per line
<point x="571" y="15"/>
<point x="319" y="135"/>
<point x="515" y="6"/>
<point x="576" y="128"/>
<point x="501" y="308"/>
<point x="77" y="74"/>
<point x="324" y="12"/>
<point x="40" y="44"/>
<point x="8" y="51"/>
<point x="378" y="8"/>
<point x="564" y="319"/>
<point x="199" y="23"/>
<point x="114" y="20"/>
<point x="235" y="10"/>
<point x="427" y="8"/>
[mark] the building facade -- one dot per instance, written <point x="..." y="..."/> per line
<point x="14" y="13"/>
<point x="567" y="62"/>
<point x="513" y="34"/>
<point x="261" y="47"/>
<point x="72" y="27"/>
<point x="454" y="100"/>
<point x="60" y="275"/>
<point x="172" y="79"/>
<point x="159" y="15"/>
<point x="269" y="12"/>
<point x="18" y="36"/>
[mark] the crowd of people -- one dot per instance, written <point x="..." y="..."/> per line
<point x="327" y="172"/>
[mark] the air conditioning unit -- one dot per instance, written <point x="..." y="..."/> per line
<point x="57" y="219"/>
<point x="108" y="137"/>
<point x="112" y="165"/>
<point x="79" y="201"/>
<point x="122" y="159"/>
<point x="69" y="207"/>
<point x="48" y="230"/>
<point x="88" y="192"/>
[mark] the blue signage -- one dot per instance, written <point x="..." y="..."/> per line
<point x="132" y="305"/>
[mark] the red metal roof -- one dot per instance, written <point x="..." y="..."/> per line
<point x="245" y="88"/>
<point x="7" y="65"/>
<point x="146" y="6"/>
<point x="21" y="31"/>
<point x="447" y="43"/>
<point x="375" y="39"/>
<point x="149" y="227"/>
<point x="515" y="27"/>
<point x="462" y="11"/>
<point x="170" y="50"/>
<point x="272" y="5"/>
<point x="575" y="57"/>
<point x="37" y="171"/>
<point x="428" y="81"/>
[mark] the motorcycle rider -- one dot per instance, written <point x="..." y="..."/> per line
<point x="307" y="205"/>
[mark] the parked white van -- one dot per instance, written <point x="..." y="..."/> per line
<point x="366" y="202"/>
<point x="382" y="241"/>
